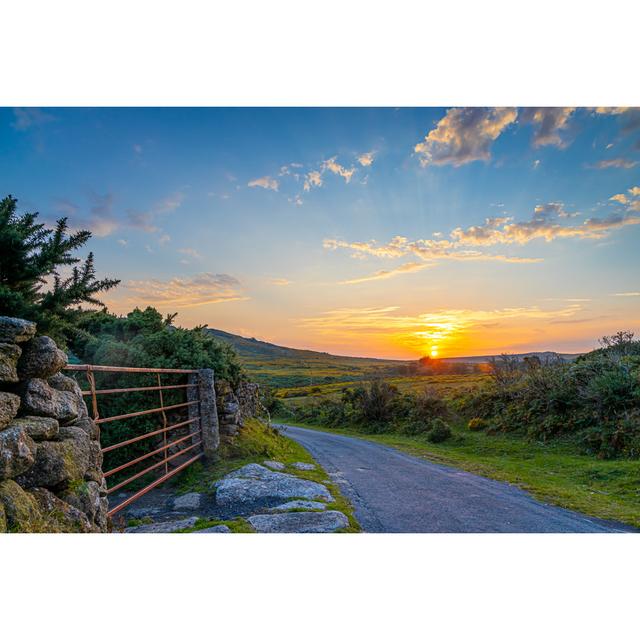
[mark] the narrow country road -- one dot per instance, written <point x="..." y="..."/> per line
<point x="395" y="492"/>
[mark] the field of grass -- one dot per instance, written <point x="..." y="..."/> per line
<point x="284" y="367"/>
<point x="443" y="384"/>
<point x="553" y="473"/>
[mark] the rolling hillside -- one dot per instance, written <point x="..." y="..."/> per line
<point x="284" y="367"/>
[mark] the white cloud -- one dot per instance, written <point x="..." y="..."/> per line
<point x="628" y="294"/>
<point x="629" y="117"/>
<point x="619" y="197"/>
<point x="266" y="182"/>
<point x="30" y="117"/>
<point x="384" y="274"/>
<point x="615" y="163"/>
<point x="332" y="165"/>
<point x="312" y="179"/>
<point x="202" y="289"/>
<point x="464" y="135"/>
<point x="189" y="251"/>
<point x="468" y="244"/>
<point x="280" y="282"/>
<point x="550" y="124"/>
<point x="366" y="159"/>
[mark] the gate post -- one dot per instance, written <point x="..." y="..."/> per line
<point x="206" y="410"/>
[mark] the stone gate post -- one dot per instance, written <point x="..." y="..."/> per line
<point x="206" y="410"/>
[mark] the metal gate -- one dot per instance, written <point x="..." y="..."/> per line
<point x="154" y="427"/>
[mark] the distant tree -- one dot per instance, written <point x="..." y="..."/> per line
<point x="31" y="285"/>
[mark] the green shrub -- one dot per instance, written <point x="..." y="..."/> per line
<point x="439" y="431"/>
<point x="477" y="424"/>
<point x="427" y="405"/>
<point x="414" y="427"/>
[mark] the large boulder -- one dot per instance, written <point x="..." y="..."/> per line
<point x="299" y="522"/>
<point x="17" y="452"/>
<point x="87" y="425"/>
<point x="60" y="516"/>
<point x="41" y="358"/>
<point x="253" y="483"/>
<point x="41" y="399"/>
<point x="65" y="384"/>
<point x="85" y="496"/>
<point x="163" y="527"/>
<point x="16" y="330"/>
<point x="59" y="463"/>
<point x="9" y="405"/>
<point x="21" y="509"/>
<point x="94" y="471"/>
<point x="218" y="528"/>
<point x="37" y="428"/>
<point x="9" y="355"/>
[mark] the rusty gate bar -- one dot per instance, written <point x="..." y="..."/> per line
<point x="192" y="442"/>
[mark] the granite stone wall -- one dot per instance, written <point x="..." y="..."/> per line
<point x="50" y="460"/>
<point x="236" y="405"/>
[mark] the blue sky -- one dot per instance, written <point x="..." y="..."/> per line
<point x="514" y="229"/>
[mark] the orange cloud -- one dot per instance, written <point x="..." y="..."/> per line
<point x="384" y="274"/>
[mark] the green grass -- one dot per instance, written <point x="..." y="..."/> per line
<point x="552" y="472"/>
<point x="257" y="442"/>
<point x="443" y="384"/>
<point x="237" y="525"/>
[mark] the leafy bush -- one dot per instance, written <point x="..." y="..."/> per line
<point x="145" y="339"/>
<point x="477" y="424"/>
<point x="595" y="400"/>
<point x="439" y="431"/>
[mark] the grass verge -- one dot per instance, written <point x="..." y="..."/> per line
<point x="257" y="442"/>
<point x="552" y="472"/>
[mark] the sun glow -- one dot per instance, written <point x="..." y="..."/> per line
<point x="434" y="352"/>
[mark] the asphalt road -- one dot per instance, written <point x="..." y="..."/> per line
<point x="397" y="493"/>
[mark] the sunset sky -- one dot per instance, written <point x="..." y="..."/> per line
<point x="375" y="232"/>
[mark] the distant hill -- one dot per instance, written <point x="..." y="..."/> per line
<point x="283" y="367"/>
<point x="252" y="348"/>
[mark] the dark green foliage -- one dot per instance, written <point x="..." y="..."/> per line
<point x="30" y="257"/>
<point x="477" y="424"/>
<point x="595" y="400"/>
<point x="145" y="339"/>
<point x="377" y="408"/>
<point x="439" y="431"/>
<point x="270" y="401"/>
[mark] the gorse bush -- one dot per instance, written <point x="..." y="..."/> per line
<point x="595" y="399"/>
<point x="439" y="431"/>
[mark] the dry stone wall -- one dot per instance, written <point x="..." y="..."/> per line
<point x="236" y="405"/>
<point x="50" y="460"/>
